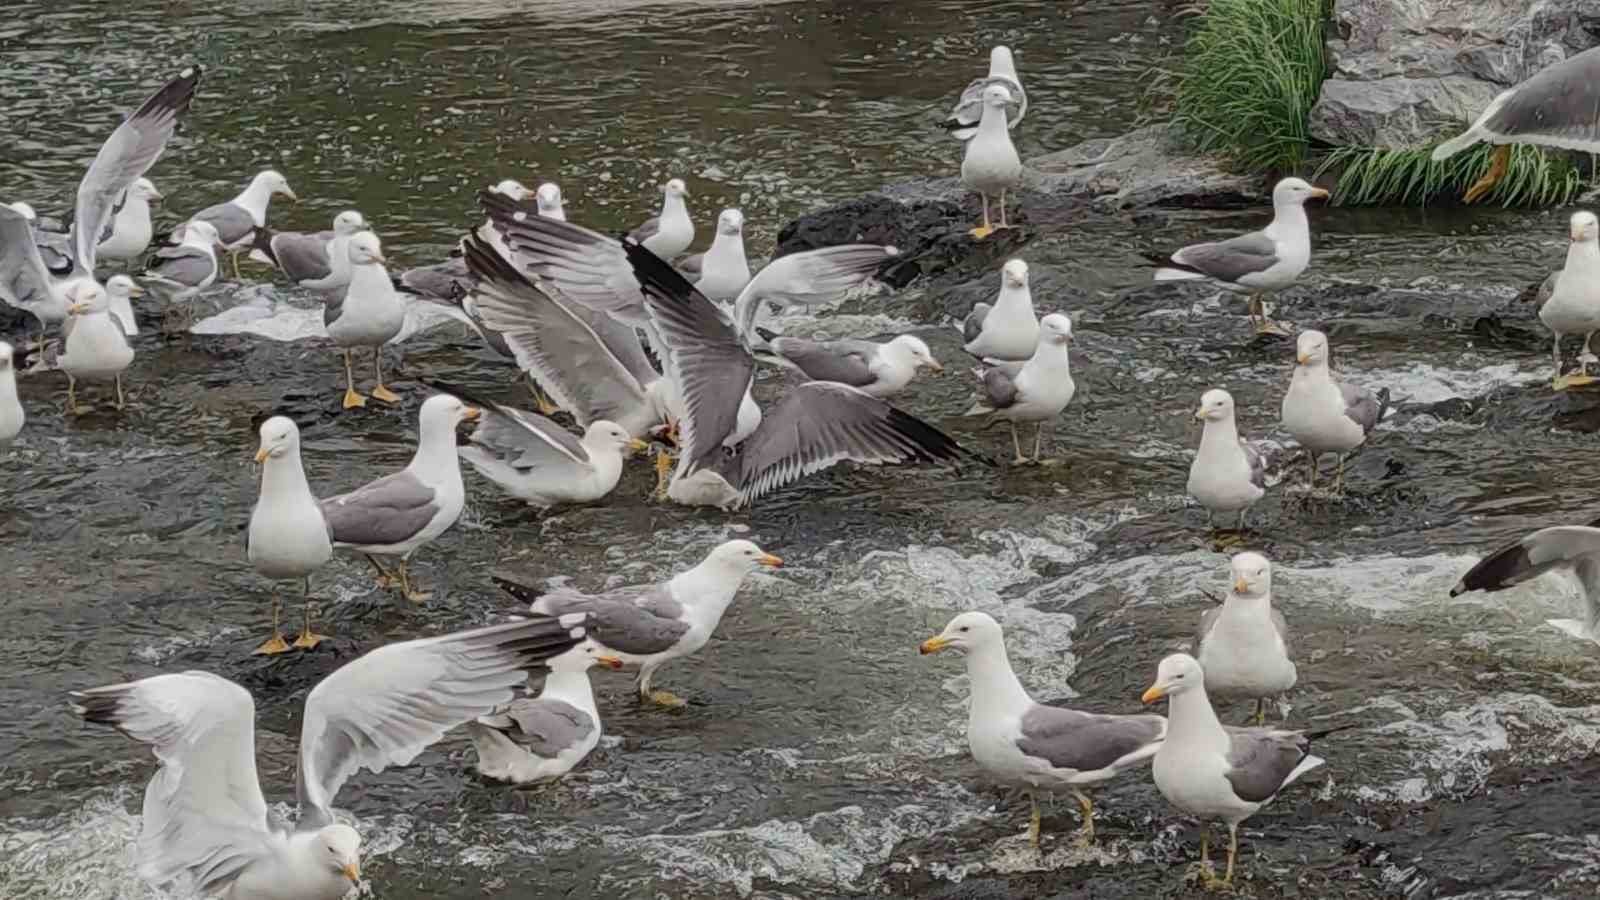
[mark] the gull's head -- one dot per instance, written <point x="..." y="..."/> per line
<point x="996" y="95"/>
<point x="1311" y="348"/>
<point x="1177" y="673"/>
<point x="731" y="222"/>
<point x="366" y="250"/>
<point x="199" y="233"/>
<point x="349" y="222"/>
<point x="1252" y="575"/>
<point x="511" y="188"/>
<point x="341" y="851"/>
<point x="145" y="189"/>
<point x="1056" y="328"/>
<point x="1295" y="191"/>
<point x="25" y="210"/>
<point x="1000" y="61"/>
<point x="743" y="557"/>
<point x="279" y="436"/>
<point x="1014" y="274"/>
<point x="675" y="188"/>
<point x="87" y="297"/>
<point x="275" y="183"/>
<point x="1585" y="227"/>
<point x="584" y="657"/>
<point x="444" y="412"/>
<point x="602" y="433"/>
<point x="966" y="632"/>
<point x="1216" y="405"/>
<point x="122" y="287"/>
<point x="913" y="349"/>
<point x="549" y="199"/>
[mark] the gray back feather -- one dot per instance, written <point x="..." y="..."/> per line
<point x="1070" y="739"/>
<point x="232" y="221"/>
<point x="387" y="511"/>
<point x="188" y="266"/>
<point x="1557" y="104"/>
<point x="545" y="727"/>
<point x="1231" y="259"/>
<point x="1262" y="759"/>
<point x="1000" y="384"/>
<point x="646" y="231"/>
<point x="636" y="620"/>
<point x="973" y="326"/>
<point x="1362" y="406"/>
<point x="847" y="362"/>
<point x="1257" y="461"/>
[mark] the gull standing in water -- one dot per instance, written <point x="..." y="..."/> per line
<point x="236" y="221"/>
<point x="369" y="313"/>
<point x="1572" y="549"/>
<point x="398" y="514"/>
<point x="1324" y="415"/>
<point x="651" y="625"/>
<point x="968" y="111"/>
<point x="1009" y="330"/>
<point x="1036" y="747"/>
<point x="1229" y="473"/>
<point x="669" y="234"/>
<point x="722" y="271"/>
<point x="1558" y="107"/>
<point x="288" y="538"/>
<point x="1033" y="391"/>
<point x="128" y="234"/>
<point x="94" y="346"/>
<point x="991" y="165"/>
<point x="319" y="261"/>
<point x="205" y="820"/>
<point x="1257" y="263"/>
<point x="183" y="271"/>
<point x="1244" y="643"/>
<point x="12" y="416"/>
<point x="541" y="738"/>
<point x="1573" y="303"/>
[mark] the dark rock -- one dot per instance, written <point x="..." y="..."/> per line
<point x="1146" y="167"/>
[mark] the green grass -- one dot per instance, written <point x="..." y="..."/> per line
<point x="1376" y="177"/>
<point x="1247" y="79"/>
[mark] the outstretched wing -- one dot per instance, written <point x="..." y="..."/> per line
<point x="810" y="277"/>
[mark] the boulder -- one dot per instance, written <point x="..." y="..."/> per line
<point x="1405" y="73"/>
<point x="1145" y="167"/>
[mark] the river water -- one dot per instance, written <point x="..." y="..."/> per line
<point x="821" y="755"/>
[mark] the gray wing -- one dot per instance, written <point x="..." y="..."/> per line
<point x="706" y="355"/>
<point x="447" y="280"/>
<point x="1257" y="461"/>
<point x="559" y="343"/>
<point x="1262" y="759"/>
<point x="302" y="257"/>
<point x="646" y="231"/>
<point x="1231" y="259"/>
<point x="973" y="326"/>
<point x="1565" y="546"/>
<point x="1558" y="107"/>
<point x="1088" y="742"/>
<point x="692" y="267"/>
<point x="545" y="727"/>
<point x="24" y="281"/>
<point x="131" y="150"/>
<point x="188" y="266"/>
<point x="810" y="277"/>
<point x="388" y="706"/>
<point x="622" y="621"/>
<point x="582" y="266"/>
<point x="1539" y="293"/>
<point x="1362" y="406"/>
<point x="1000" y="384"/>
<point x="847" y="362"/>
<point x="55" y="250"/>
<point x="232" y="221"/>
<point x="968" y="111"/>
<point x="822" y="423"/>
<point x="387" y="511"/>
<point x="528" y="441"/>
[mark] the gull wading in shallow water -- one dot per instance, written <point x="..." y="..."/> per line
<point x="368" y="314"/>
<point x="1324" y="415"/>
<point x="1243" y="645"/>
<point x="1229" y="473"/>
<point x="180" y="272"/>
<point x="205" y="819"/>
<point x="1033" y="391"/>
<point x="1036" y="747"/>
<point x="991" y="165"/>
<point x="1009" y="330"/>
<point x="94" y="344"/>
<point x="236" y="221"/>
<point x="288" y="538"/>
<point x="319" y="261"/>
<point x="1570" y="299"/>
<point x="540" y="738"/>
<point x="12" y="416"/>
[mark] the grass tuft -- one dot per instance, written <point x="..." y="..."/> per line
<point x="1378" y="177"/>
<point x="1248" y="78"/>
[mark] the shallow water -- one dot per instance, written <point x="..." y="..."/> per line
<point x="822" y="756"/>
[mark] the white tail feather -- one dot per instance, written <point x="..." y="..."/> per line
<point x="1457" y="144"/>
<point x="1166" y="274"/>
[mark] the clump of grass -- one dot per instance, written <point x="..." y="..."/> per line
<point x="1248" y="78"/>
<point x="1378" y="177"/>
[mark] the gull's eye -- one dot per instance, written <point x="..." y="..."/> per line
<point x="965" y="628"/>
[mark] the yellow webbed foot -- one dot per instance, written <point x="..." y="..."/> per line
<point x="668" y="699"/>
<point x="308" y="640"/>
<point x="275" y="645"/>
<point x="418" y="596"/>
<point x="353" y="400"/>
<point x="1498" y="161"/>
<point x="1572" y="381"/>
<point x="382" y="393"/>
<point x="663" y="473"/>
<point x="981" y="232"/>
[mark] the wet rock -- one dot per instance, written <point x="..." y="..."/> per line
<point x="1146" y="167"/>
<point x="1409" y="71"/>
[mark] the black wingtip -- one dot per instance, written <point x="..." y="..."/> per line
<point x="655" y="272"/>
<point x="463" y="394"/>
<point x="765" y="335"/>
<point x="931" y="444"/>
<point x="174" y="97"/>
<point x="101" y="709"/>
<point x="1324" y="732"/>
<point x="1497" y="571"/>
<point x="519" y="592"/>
<point x="1165" y="261"/>
<point x="1383" y="403"/>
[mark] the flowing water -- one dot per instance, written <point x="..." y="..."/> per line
<point x="821" y="756"/>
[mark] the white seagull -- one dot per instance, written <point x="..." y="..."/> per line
<point x="968" y="111"/>
<point x="1008" y="330"/>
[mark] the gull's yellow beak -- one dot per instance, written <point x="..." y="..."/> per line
<point x="1240" y="586"/>
<point x="352" y="871"/>
<point x="1156" y="692"/>
<point x="770" y="561"/>
<point x="157" y="195"/>
<point x="290" y="194"/>
<point x="1303" y="358"/>
<point x="933" y="645"/>
<point x="1200" y="413"/>
<point x="262" y="454"/>
<point x="610" y="662"/>
<point x="135" y="291"/>
<point x="379" y="257"/>
<point x="76" y="309"/>
<point x="1319" y="193"/>
<point x="1576" y="234"/>
<point x="935" y="365"/>
<point x="471" y="414"/>
<point x="637" y="445"/>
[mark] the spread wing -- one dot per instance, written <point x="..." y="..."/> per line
<point x="204" y="815"/>
<point x="24" y="282"/>
<point x="582" y="266"/>
<point x="810" y="277"/>
<point x="388" y="706"/>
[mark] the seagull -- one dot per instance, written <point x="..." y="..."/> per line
<point x="991" y="165"/>
<point x="542" y="738"/>
<point x="721" y="272"/>
<point x="669" y="234"/>
<point x="548" y="199"/>
<point x="55" y="248"/>
<point x="319" y="261"/>
<point x="1032" y="746"/>
<point x="542" y="464"/>
<point x="94" y="344"/>
<point x="1572" y="305"/>
<point x="121" y="291"/>
<point x="11" y="415"/>
<point x="1229" y="473"/>
<point x="1554" y="108"/>
<point x="185" y="270"/>
<point x="288" y="538"/>
<point x="881" y="370"/>
<point x="205" y="819"/>
<point x="128" y="234"/>
<point x="1033" y="391"/>
<point x="968" y="111"/>
<point x="1324" y="415"/>
<point x="399" y="513"/>
<point x="1257" y="263"/>
<point x="1008" y="330"/>
<point x="132" y="149"/>
<point x="650" y="625"/>
<point x="369" y="313"/>
<point x="1213" y="771"/>
<point x="1573" y="549"/>
<point x="237" y="219"/>
<point x="1244" y="643"/>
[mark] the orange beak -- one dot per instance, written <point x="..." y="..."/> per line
<point x="933" y="645"/>
<point x="610" y="662"/>
<point x="770" y="561"/>
<point x="1156" y="692"/>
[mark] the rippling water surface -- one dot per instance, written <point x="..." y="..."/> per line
<point x="821" y="756"/>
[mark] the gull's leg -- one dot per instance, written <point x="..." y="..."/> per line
<point x="380" y="392"/>
<point x="1233" y="851"/>
<point x="660" y="698"/>
<point x="1038" y="440"/>
<point x="1556" y="381"/>
<point x="406" y="590"/>
<point x="1242" y="514"/>
<point x="1208" y="877"/>
<point x="1312" y="484"/>
<point x="1338" y="483"/>
<point x="1582" y="376"/>
<point x="663" y="473"/>
<point x="233" y="255"/>
<point x="275" y="644"/>
<point x="1498" y="161"/>
<point x="385" y="579"/>
<point x="1261" y="711"/>
<point x="1003" y="209"/>
<point x="1017" y="445"/>
<point x="1265" y="325"/>
<point x="308" y="639"/>
<point x="985" y="229"/>
<point x="72" y="398"/>
<point x="1086" y="833"/>
<point x="1033" y="821"/>
<point x="547" y="407"/>
<point x="121" y="403"/>
<point x="351" y="398"/>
